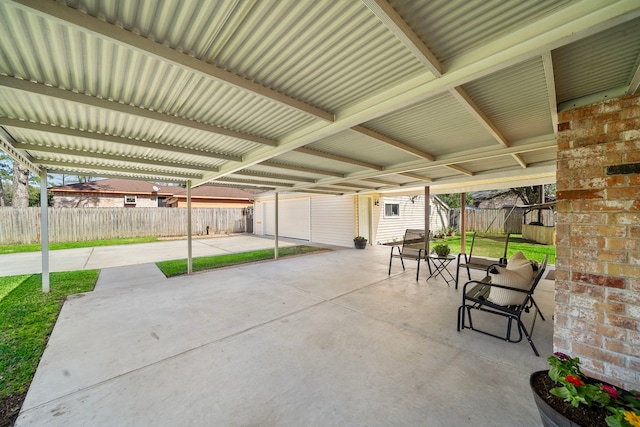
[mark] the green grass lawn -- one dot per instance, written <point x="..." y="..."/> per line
<point x="27" y="316"/>
<point x="531" y="250"/>
<point x="36" y="247"/>
<point x="178" y="267"/>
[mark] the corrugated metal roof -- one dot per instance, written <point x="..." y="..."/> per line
<point x="437" y="126"/>
<point x="597" y="63"/>
<point x="266" y="92"/>
<point x="515" y="100"/>
<point x="453" y="27"/>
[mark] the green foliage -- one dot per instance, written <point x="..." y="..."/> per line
<point x="531" y="250"/>
<point x="27" y="316"/>
<point x="453" y="199"/>
<point x="178" y="267"/>
<point x="575" y="388"/>
<point x="36" y="247"/>
<point x="442" y="249"/>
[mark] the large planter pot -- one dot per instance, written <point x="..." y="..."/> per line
<point x="360" y="244"/>
<point x="551" y="417"/>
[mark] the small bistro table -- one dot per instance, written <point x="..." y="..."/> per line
<point x="440" y="264"/>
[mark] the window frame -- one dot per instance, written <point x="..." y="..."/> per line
<point x="392" y="215"/>
<point x="135" y="200"/>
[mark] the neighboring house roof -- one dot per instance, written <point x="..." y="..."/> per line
<point x="117" y="186"/>
<point x="131" y="186"/>
<point x="206" y="192"/>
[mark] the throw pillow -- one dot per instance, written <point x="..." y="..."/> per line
<point x="519" y="277"/>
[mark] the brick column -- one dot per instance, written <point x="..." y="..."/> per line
<point x="597" y="314"/>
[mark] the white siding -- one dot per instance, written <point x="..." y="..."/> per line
<point x="293" y="218"/>
<point x="333" y="220"/>
<point x="258" y="220"/>
<point x="411" y="216"/>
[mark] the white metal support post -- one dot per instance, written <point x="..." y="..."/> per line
<point x="275" y="252"/>
<point x="427" y="219"/>
<point x="463" y="223"/>
<point x="189" y="245"/>
<point x="44" y="230"/>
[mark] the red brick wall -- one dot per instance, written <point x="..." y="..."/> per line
<point x="597" y="314"/>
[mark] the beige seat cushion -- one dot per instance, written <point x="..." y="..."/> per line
<point x="518" y="274"/>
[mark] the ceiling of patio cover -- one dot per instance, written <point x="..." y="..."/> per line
<point x="324" y="96"/>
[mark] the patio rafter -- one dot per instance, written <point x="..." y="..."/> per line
<point x="76" y="133"/>
<point x="147" y="46"/>
<point x="114" y="157"/>
<point x="92" y="101"/>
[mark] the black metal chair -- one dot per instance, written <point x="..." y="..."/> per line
<point x="412" y="248"/>
<point x="476" y="259"/>
<point x="475" y="294"/>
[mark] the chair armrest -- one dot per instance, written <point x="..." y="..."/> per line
<point x="495" y="285"/>
<point x="474" y="282"/>
<point x="495" y="264"/>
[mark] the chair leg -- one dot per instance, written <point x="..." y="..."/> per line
<point x="418" y="270"/>
<point x="538" y="308"/>
<point x="526" y="334"/>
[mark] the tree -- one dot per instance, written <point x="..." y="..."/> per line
<point x="453" y="199"/>
<point x="20" y="186"/>
<point x="5" y="175"/>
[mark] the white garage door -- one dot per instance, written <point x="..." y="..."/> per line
<point x="295" y="218"/>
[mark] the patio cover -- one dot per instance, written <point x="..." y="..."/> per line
<point x="317" y="96"/>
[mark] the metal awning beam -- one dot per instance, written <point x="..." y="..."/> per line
<point x="476" y="112"/>
<point x="394" y="22"/>
<point x="460" y="169"/>
<point x="106" y="169"/>
<point x="317" y="171"/>
<point x="445" y="161"/>
<point x="273" y="176"/>
<point x="105" y="104"/>
<point x="338" y="158"/>
<point x="57" y="130"/>
<point x="130" y="40"/>
<point x="104" y="156"/>
<point x="7" y="147"/>
<point x="392" y="142"/>
<point x="576" y="21"/>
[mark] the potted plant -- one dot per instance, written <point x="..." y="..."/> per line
<point x="566" y="397"/>
<point x="360" y="242"/>
<point x="442" y="249"/>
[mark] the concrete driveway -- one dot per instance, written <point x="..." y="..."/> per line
<point x="321" y="340"/>
<point x="140" y="253"/>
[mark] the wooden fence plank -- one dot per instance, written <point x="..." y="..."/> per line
<point x="80" y="224"/>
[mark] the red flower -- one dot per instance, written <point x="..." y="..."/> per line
<point x="574" y="380"/>
<point x="611" y="391"/>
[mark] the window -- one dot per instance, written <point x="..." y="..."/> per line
<point x="130" y="200"/>
<point x="391" y="209"/>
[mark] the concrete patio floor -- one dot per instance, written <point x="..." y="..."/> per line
<point x="321" y="340"/>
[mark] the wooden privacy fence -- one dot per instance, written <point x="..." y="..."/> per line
<point x="79" y="224"/>
<point x="503" y="220"/>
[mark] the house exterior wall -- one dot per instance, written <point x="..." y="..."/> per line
<point x="597" y="314"/>
<point x="412" y="213"/>
<point x="86" y="200"/>
<point x="332" y="220"/>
